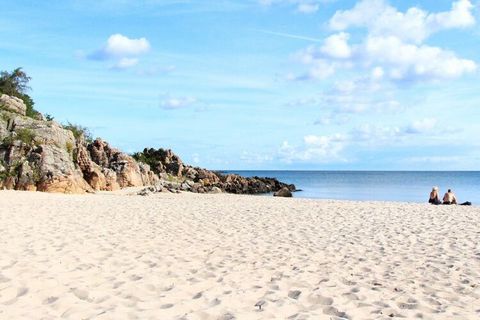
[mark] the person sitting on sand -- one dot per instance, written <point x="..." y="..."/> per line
<point x="449" y="198"/>
<point x="434" y="197"/>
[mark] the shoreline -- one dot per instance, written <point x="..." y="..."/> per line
<point x="221" y="256"/>
<point x="133" y="191"/>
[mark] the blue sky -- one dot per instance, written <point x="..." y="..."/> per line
<point x="260" y="84"/>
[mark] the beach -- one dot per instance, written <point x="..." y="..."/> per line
<point x="220" y="256"/>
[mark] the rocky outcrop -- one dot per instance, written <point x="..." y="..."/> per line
<point x="122" y="170"/>
<point x="167" y="165"/>
<point x="162" y="161"/>
<point x="42" y="155"/>
<point x="35" y="155"/>
<point x="13" y="104"/>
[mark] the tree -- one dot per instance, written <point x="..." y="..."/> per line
<point x="15" y="84"/>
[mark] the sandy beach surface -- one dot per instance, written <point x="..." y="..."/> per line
<point x="189" y="256"/>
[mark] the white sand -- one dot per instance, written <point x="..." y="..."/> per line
<point x="193" y="256"/>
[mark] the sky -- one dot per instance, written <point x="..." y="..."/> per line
<point x="260" y="84"/>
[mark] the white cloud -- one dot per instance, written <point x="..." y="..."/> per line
<point x="177" y="102"/>
<point x="414" y="25"/>
<point x="336" y="46"/>
<point x="375" y="134"/>
<point x="308" y="7"/>
<point x="386" y="57"/>
<point x="379" y="134"/>
<point x="123" y="50"/>
<point x="121" y="46"/>
<point x="408" y="61"/>
<point x="315" y="149"/>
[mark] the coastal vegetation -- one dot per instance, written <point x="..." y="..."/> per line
<point x="15" y="84"/>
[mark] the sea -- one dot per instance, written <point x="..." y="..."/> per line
<point x="404" y="186"/>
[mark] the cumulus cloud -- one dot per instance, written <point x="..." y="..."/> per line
<point x="336" y="46"/>
<point x="314" y="149"/>
<point x="122" y="50"/>
<point x="393" y="47"/>
<point x="122" y="46"/>
<point x="381" y="19"/>
<point x="171" y="103"/>
<point x="403" y="61"/>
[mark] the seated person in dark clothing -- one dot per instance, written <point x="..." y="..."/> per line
<point x="449" y="198"/>
<point x="434" y="197"/>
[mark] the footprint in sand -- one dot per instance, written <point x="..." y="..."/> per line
<point x="215" y="302"/>
<point x="3" y="279"/>
<point x="50" y="300"/>
<point x="332" y="311"/>
<point x="294" y="294"/>
<point x="351" y="296"/>
<point x="319" y="299"/>
<point x="197" y="296"/>
<point x="22" y="292"/>
<point x="227" y="316"/>
<point x="80" y="294"/>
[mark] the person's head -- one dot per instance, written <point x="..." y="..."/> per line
<point x="435" y="189"/>
<point x="449" y="190"/>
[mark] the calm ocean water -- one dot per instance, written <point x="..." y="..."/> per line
<point x="405" y="186"/>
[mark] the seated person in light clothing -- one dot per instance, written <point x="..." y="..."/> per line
<point x="449" y="198"/>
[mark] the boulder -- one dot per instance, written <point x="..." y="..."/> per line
<point x="284" y="192"/>
<point x="215" y="190"/>
<point x="58" y="171"/>
<point x="120" y="170"/>
<point x="13" y="104"/>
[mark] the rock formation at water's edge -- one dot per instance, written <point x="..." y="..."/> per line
<point x="41" y="155"/>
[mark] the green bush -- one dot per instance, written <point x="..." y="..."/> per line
<point x="25" y="135"/>
<point x="79" y="131"/>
